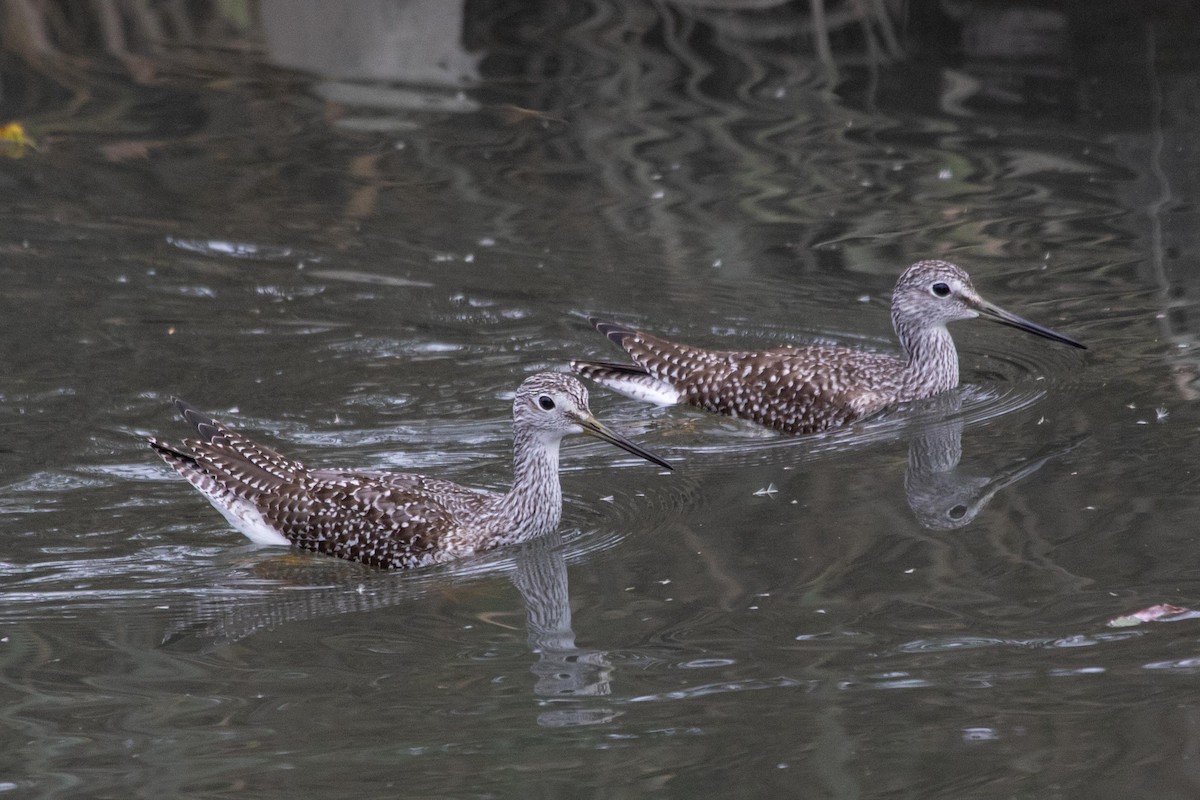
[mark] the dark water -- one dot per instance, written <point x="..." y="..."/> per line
<point x="353" y="238"/>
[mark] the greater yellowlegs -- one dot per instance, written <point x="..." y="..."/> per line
<point x="385" y="519"/>
<point x="809" y="389"/>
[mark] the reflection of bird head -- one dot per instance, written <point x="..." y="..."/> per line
<point x="946" y="501"/>
<point x="941" y="497"/>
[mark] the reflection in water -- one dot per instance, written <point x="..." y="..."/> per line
<point x="563" y="670"/>
<point x="418" y="42"/>
<point x="944" y="497"/>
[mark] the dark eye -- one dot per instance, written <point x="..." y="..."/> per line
<point x="546" y="402"/>
<point x="958" y="512"/>
<point x="940" y="289"/>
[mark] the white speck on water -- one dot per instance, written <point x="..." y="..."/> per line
<point x="980" y="735"/>
<point x="945" y="174"/>
<point x="658" y="195"/>
<point x="487" y="241"/>
<point x="606" y="499"/>
<point x="469" y="258"/>
<point x="769" y="491"/>
<point x="864" y="298"/>
<point x="717" y="263"/>
<point x="1161" y="414"/>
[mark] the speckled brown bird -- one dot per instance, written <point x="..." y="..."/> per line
<point x="810" y="389"/>
<point x="385" y="519"/>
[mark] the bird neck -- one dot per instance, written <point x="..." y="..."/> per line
<point x="932" y="359"/>
<point x="533" y="506"/>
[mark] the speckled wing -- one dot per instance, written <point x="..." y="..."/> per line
<point x="227" y="468"/>
<point x="223" y="446"/>
<point x="387" y="520"/>
<point x="790" y="389"/>
<point x="781" y="389"/>
<point x="381" y="519"/>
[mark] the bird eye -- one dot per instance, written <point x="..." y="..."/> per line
<point x="958" y="512"/>
<point x="940" y="289"/>
<point x="546" y="402"/>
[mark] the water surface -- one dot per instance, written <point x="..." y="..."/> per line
<point x="353" y="242"/>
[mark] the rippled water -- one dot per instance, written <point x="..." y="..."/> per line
<point x="354" y="244"/>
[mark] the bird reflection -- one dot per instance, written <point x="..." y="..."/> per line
<point x="562" y="670"/>
<point x="944" y="496"/>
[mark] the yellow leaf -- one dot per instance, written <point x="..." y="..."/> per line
<point x="14" y="140"/>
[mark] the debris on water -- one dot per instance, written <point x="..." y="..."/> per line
<point x="770" y="491"/>
<point x="1158" y="613"/>
<point x="14" y="141"/>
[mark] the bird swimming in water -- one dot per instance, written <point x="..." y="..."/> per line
<point x="810" y="389"/>
<point x="386" y="519"/>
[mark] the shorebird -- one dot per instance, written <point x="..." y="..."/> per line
<point x="810" y="389"/>
<point x="385" y="519"/>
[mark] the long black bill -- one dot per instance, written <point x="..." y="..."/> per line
<point x="593" y="427"/>
<point x="998" y="314"/>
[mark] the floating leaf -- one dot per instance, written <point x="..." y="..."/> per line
<point x="14" y="141"/>
<point x="1151" y="614"/>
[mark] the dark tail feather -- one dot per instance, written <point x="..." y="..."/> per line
<point x="615" y="332"/>
<point x="592" y="369"/>
<point x="205" y="426"/>
<point x="176" y="458"/>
